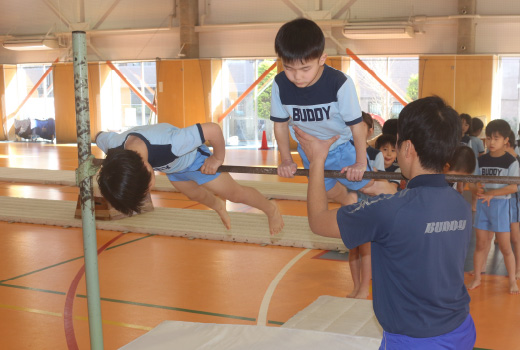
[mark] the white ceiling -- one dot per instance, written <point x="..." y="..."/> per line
<point x="19" y="18"/>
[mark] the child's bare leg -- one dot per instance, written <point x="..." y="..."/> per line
<point x="199" y="194"/>
<point x="504" y="244"/>
<point x="366" y="271"/>
<point x="481" y="250"/>
<point x="354" y="262"/>
<point x="515" y="240"/>
<point x="225" y="187"/>
<point x="339" y="194"/>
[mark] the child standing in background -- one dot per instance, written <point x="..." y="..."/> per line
<point x="465" y="119"/>
<point x="475" y="130"/>
<point x="493" y="215"/>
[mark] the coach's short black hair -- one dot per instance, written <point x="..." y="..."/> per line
<point x="390" y="127"/>
<point x="476" y="124"/>
<point x="463" y="160"/>
<point x="124" y="180"/>
<point x="433" y="127"/>
<point x="299" y="40"/>
<point x="384" y="139"/>
<point x="499" y="126"/>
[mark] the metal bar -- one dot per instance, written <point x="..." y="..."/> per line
<point x="373" y="74"/>
<point x="79" y="48"/>
<point x="369" y="175"/>
<point x="132" y="87"/>
<point x="510" y="180"/>
<point x="249" y="89"/>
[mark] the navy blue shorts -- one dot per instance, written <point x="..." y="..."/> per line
<point x="461" y="338"/>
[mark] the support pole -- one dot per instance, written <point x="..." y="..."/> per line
<point x="79" y="48"/>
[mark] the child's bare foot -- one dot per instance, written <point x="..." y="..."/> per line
<point x="473" y="284"/>
<point x="517" y="276"/>
<point x="222" y="212"/>
<point x="353" y="293"/>
<point x="513" y="287"/>
<point x="362" y="294"/>
<point x="275" y="219"/>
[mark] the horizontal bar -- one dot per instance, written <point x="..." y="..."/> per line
<point x="380" y="175"/>
<point x="369" y="175"/>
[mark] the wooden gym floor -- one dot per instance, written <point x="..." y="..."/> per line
<point x="147" y="279"/>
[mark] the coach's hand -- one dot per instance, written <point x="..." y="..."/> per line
<point x="314" y="148"/>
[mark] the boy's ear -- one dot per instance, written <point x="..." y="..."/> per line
<point x="322" y="59"/>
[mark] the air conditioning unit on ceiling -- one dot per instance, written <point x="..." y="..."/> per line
<point x="352" y="31"/>
<point x="31" y="44"/>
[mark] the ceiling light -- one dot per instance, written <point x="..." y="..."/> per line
<point x="378" y="32"/>
<point x="31" y="44"/>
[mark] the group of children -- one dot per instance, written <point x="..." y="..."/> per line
<point x="419" y="298"/>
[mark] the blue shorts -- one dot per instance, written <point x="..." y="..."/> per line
<point x="192" y="173"/>
<point x="462" y="338"/>
<point x="342" y="156"/>
<point x="494" y="218"/>
<point x="514" y="207"/>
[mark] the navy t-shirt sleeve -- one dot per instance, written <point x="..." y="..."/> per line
<point x="366" y="221"/>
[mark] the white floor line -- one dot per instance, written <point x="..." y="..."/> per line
<point x="262" y="313"/>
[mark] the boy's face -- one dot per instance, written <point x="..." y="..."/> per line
<point x="496" y="143"/>
<point x="304" y="74"/>
<point x="389" y="153"/>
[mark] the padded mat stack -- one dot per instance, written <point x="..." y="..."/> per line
<point x="191" y="223"/>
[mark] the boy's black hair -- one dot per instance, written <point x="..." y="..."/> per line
<point x="384" y="139"/>
<point x="124" y="180"/>
<point x="467" y="118"/>
<point x="463" y="160"/>
<point x="367" y="118"/>
<point x="299" y="40"/>
<point x="433" y="127"/>
<point x="390" y="127"/>
<point x="499" y="126"/>
<point x="476" y="125"/>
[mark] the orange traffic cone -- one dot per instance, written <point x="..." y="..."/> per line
<point x="264" y="141"/>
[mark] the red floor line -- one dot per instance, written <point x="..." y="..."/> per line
<point x="72" y="344"/>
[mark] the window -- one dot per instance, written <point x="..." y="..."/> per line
<point x="122" y="108"/>
<point x="509" y="99"/>
<point x="35" y="119"/>
<point x="400" y="73"/>
<point x="245" y="124"/>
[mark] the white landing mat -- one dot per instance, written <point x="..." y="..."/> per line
<point x="277" y="190"/>
<point x="208" y="336"/>
<point x="338" y="315"/>
<point x="191" y="223"/>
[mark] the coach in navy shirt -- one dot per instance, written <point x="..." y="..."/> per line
<point x="419" y="236"/>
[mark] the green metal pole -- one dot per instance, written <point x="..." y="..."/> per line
<point x="79" y="48"/>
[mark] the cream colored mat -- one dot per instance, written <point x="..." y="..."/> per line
<point x="338" y="315"/>
<point x="204" y="224"/>
<point x="209" y="336"/>
<point x="278" y="190"/>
